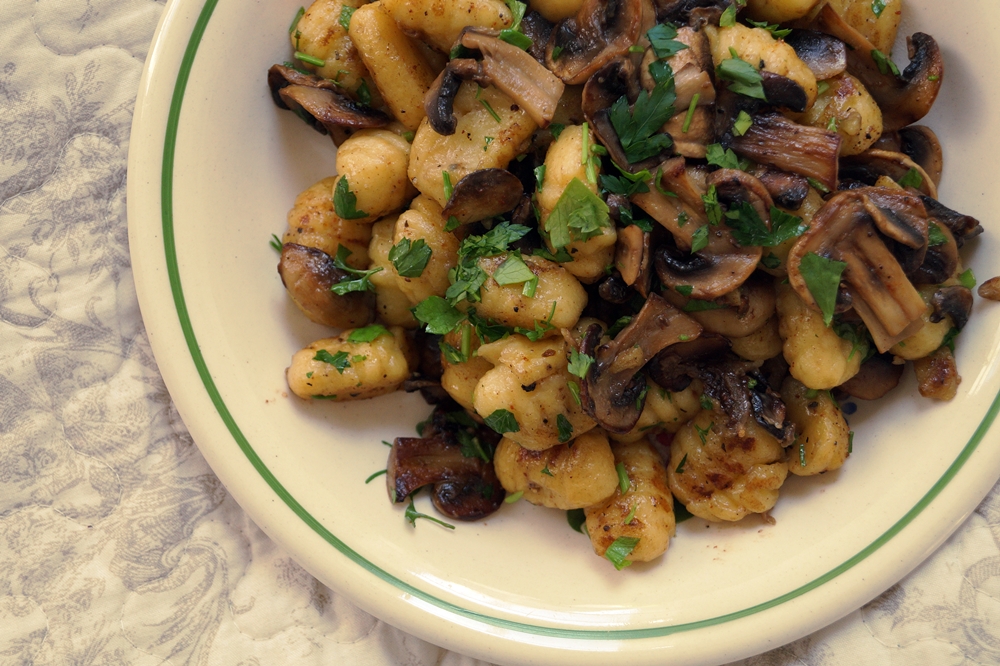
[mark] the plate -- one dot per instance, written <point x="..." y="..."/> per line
<point x="213" y="169"/>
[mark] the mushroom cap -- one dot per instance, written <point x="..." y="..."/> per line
<point x="483" y="194"/>
<point x="327" y="108"/>
<point x="308" y="274"/>
<point x="824" y="54"/>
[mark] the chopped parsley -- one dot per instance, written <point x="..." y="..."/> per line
<point x="684" y="289"/>
<point x="721" y="157"/>
<point x="574" y="390"/>
<point x="513" y="497"/>
<point x="912" y="178"/>
<point x="412" y="515"/>
<point x="578" y="215"/>
<point x="857" y="334"/>
<point x="745" y="80"/>
<point x="703" y="433"/>
<point x="662" y="40"/>
<point x="487" y="105"/>
<point x="438" y="315"/>
<point x="776" y="31"/>
<point x="364" y="94"/>
<point x="637" y="128"/>
<point x="935" y="236"/>
<point x="712" y="207"/>
<point x="618" y="551"/>
<point x="515" y="271"/>
<point x="728" y="18"/>
<point x="695" y="305"/>
<point x="878" y="6"/>
<point x="502" y="421"/>
<point x="564" y="428"/>
<point x="513" y="34"/>
<point x="749" y="230"/>
<point x="345" y="202"/>
<point x="623" y="482"/>
<point x="361" y="283"/>
<point x="884" y="63"/>
<point x="367" y="333"/>
<point x="680" y="466"/>
<point x="338" y="360"/>
<point x="539" y="176"/>
<point x="699" y="239"/>
<point x="770" y="261"/>
<point x="346" y="13"/>
<point x="742" y="124"/>
<point x="822" y="278"/>
<point x="446" y="183"/>
<point x="579" y="363"/>
<point x="410" y="258"/>
<point x="967" y="279"/>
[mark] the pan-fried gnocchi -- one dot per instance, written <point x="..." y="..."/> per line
<point x="632" y="274"/>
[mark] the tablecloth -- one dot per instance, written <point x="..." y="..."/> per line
<point x="117" y="543"/>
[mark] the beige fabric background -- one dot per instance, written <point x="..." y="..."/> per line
<point x="117" y="543"/>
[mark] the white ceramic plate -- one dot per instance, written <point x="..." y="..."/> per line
<point x="213" y="170"/>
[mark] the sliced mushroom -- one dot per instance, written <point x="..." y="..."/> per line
<point x="439" y="102"/>
<point x="600" y="32"/>
<point x="613" y="390"/>
<point x="319" y="103"/>
<point x="484" y="194"/>
<point x="782" y="91"/>
<point x="692" y="68"/>
<point x="824" y="54"/>
<point x="676" y="366"/>
<point x="877" y="376"/>
<point x="779" y="142"/>
<point x="940" y="261"/>
<point x="954" y="302"/>
<point x="538" y="29"/>
<point x="844" y="230"/>
<point x="788" y="190"/>
<point x="753" y="307"/>
<point x="920" y="144"/>
<point x="464" y="488"/>
<point x="962" y="227"/>
<point x="522" y="78"/>
<point x="633" y="258"/>
<point x="743" y="393"/>
<point x="872" y="164"/>
<point x="904" y="99"/>
<point x="691" y="12"/>
<point x="308" y="274"/>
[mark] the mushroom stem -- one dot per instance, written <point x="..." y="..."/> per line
<point x="788" y="146"/>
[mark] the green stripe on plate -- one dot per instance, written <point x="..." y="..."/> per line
<point x="170" y="250"/>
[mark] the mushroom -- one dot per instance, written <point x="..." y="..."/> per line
<point x="877" y="376"/>
<point x="741" y="393"/>
<point x="954" y="302"/>
<point x="777" y="141"/>
<point x="940" y="262"/>
<point x="676" y="366"/>
<point x="904" y="99"/>
<point x="464" y="488"/>
<point x="632" y="258"/>
<point x="962" y="227"/>
<point x="308" y="274"/>
<point x="824" y="54"/>
<point x="719" y="268"/>
<point x="319" y="103"/>
<point x="522" y="78"/>
<point x="484" y="194"/>
<point x="870" y="165"/>
<point x="600" y="32"/>
<point x="788" y="190"/>
<point x="782" y="91"/>
<point x="754" y="305"/>
<point x="920" y="144"/>
<point x="613" y="392"/>
<point x="691" y="12"/>
<point x="538" y="29"/>
<point x="844" y="229"/>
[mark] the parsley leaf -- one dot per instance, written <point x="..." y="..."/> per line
<point x="344" y="201"/>
<point x="618" y="551"/>
<point x="750" y="230"/>
<point x="579" y="363"/>
<point x="410" y="259"/>
<point x="637" y="129"/>
<point x="721" y="157"/>
<point x="661" y="38"/>
<point x="745" y="79"/>
<point x="565" y="429"/>
<point x="858" y="336"/>
<point x="439" y="316"/>
<point x="712" y="208"/>
<point x="367" y="333"/>
<point x="699" y="239"/>
<point x="728" y="18"/>
<point x="345" y="16"/>
<point x="742" y="124"/>
<point x="338" y="360"/>
<point x="578" y="215"/>
<point x="967" y="279"/>
<point x="412" y="515"/>
<point x="770" y="261"/>
<point x="884" y="62"/>
<point x="515" y="271"/>
<point x="935" y="236"/>
<point x="361" y="283"/>
<point x="878" y="6"/>
<point x="502" y="421"/>
<point x="577" y="519"/>
<point x="623" y="482"/>
<point x="912" y="178"/>
<point x="822" y="277"/>
<point x="776" y="31"/>
<point x="680" y="467"/>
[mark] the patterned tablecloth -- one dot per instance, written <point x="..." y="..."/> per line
<point x="117" y="543"/>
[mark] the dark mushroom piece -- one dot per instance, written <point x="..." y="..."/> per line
<point x="484" y="194"/>
<point x="904" y="99"/>
<point x="308" y="274"/>
<point x="719" y="268"/>
<point x="695" y="13"/>
<point x="319" y="103"/>
<point x="844" y="229"/>
<point x="824" y="54"/>
<point x="920" y="144"/>
<point x="962" y="227"/>
<point x="633" y="257"/>
<point x="743" y="393"/>
<point x="538" y="29"/>
<point x="782" y="91"/>
<point x="940" y="262"/>
<point x="676" y="366"/>
<point x="600" y="32"/>
<point x="754" y="304"/>
<point x="877" y="376"/>
<point x="788" y="190"/>
<point x="777" y="141"/>
<point x="954" y="302"/>
<point x="464" y="488"/>
<point x="612" y="392"/>
<point x="439" y="102"/>
<point x="872" y="164"/>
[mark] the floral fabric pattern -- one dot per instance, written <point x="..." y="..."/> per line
<point x="117" y="543"/>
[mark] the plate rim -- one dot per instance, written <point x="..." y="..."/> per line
<point x="165" y="191"/>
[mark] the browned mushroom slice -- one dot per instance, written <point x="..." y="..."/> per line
<point x="633" y="258"/>
<point x="695" y="13"/>
<point x="600" y="32"/>
<point x="824" y="54"/>
<point x="954" y="302"/>
<point x="920" y="144"/>
<point x="940" y="262"/>
<point x="962" y="227"/>
<point x="526" y="81"/>
<point x="613" y="390"/>
<point x="904" y="99"/>
<point x="318" y="102"/>
<point x="844" y="230"/>
<point x="742" y="312"/>
<point x="464" y="488"/>
<point x="538" y="29"/>
<point x="484" y="194"/>
<point x="788" y="190"/>
<point x="782" y="91"/>
<point x="308" y="273"/>
<point x="777" y="141"/>
<point x="742" y="393"/>
<point x="877" y="376"/>
<point x="870" y="165"/>
<point x="676" y="366"/>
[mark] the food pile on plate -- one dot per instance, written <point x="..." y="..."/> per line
<point x="634" y="252"/>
